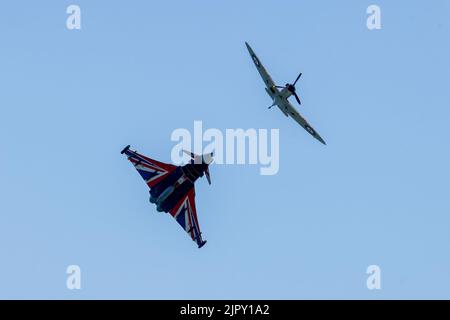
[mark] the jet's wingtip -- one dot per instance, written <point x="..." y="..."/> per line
<point x="125" y="149"/>
<point x="202" y="244"/>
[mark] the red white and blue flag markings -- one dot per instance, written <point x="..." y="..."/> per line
<point x="180" y="203"/>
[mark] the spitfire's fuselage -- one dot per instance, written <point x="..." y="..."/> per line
<point x="277" y="96"/>
<point x="167" y="193"/>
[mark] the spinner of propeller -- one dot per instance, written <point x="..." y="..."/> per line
<point x="206" y="159"/>
<point x="291" y="88"/>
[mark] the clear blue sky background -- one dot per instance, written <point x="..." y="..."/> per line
<point x="377" y="194"/>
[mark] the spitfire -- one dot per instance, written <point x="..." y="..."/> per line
<point x="280" y="97"/>
<point x="172" y="188"/>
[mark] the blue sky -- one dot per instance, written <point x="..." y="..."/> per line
<point x="376" y="194"/>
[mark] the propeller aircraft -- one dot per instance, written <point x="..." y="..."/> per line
<point x="280" y="95"/>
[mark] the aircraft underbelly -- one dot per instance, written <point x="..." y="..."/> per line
<point x="176" y="195"/>
<point x="283" y="110"/>
<point x="274" y="95"/>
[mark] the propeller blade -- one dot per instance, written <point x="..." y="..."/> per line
<point x="297" y="79"/>
<point x="297" y="98"/>
<point x="208" y="177"/>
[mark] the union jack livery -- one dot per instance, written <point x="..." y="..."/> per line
<point x="172" y="187"/>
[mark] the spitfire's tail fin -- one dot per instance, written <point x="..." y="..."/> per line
<point x="273" y="104"/>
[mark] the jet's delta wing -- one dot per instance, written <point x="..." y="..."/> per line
<point x="151" y="171"/>
<point x="185" y="213"/>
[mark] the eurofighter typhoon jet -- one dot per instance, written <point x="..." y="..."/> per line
<point x="172" y="187"/>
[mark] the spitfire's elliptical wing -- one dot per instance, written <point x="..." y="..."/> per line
<point x="151" y="171"/>
<point x="291" y="111"/>
<point x="262" y="71"/>
<point x="186" y="215"/>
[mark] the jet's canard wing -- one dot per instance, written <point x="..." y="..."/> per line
<point x="151" y="171"/>
<point x="287" y="107"/>
<point x="262" y="71"/>
<point x="185" y="213"/>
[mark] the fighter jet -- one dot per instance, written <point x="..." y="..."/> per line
<point x="172" y="187"/>
<point x="280" y="95"/>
